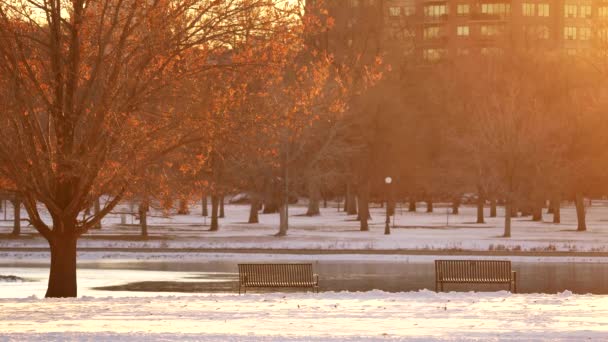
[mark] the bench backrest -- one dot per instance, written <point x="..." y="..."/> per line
<point x="468" y="270"/>
<point x="272" y="274"/>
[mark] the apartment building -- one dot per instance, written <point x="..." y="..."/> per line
<point x="435" y="29"/>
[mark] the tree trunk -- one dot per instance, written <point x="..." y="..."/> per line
<point x="580" y="212"/>
<point x="222" y="212"/>
<point x="215" y="201"/>
<point x="270" y="207"/>
<point x="550" y="207"/>
<point x="345" y="200"/>
<point x="325" y="202"/>
<point x="456" y="206"/>
<point x="537" y="211"/>
<point x="480" y="203"/>
<point x="493" y="208"/>
<point x="16" y="217"/>
<point x="62" y="277"/>
<point x="183" y="207"/>
<point x="313" y="200"/>
<point x="412" y="206"/>
<point x="508" y="212"/>
<point x="555" y="204"/>
<point x="204" y="212"/>
<point x="283" y="220"/>
<point x="363" y="203"/>
<point x="253" y="211"/>
<point x="96" y="210"/>
<point x="143" y="218"/>
<point x="429" y="206"/>
<point x="351" y="201"/>
<point x="313" y="208"/>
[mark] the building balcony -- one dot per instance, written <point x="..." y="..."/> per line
<point x="435" y="41"/>
<point x="435" y="18"/>
<point x="486" y="38"/>
<point x="485" y="17"/>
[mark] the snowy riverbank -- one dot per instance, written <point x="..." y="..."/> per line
<point x="7" y="257"/>
<point x="371" y="316"/>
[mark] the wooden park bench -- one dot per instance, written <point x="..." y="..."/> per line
<point x="277" y="275"/>
<point x="474" y="272"/>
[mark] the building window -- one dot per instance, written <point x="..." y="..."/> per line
<point x="462" y="52"/>
<point x="543" y="10"/>
<point x="584" y="33"/>
<point x="543" y="32"/>
<point x="435" y="10"/>
<point x="570" y="11"/>
<point x="528" y="9"/>
<point x="496" y="8"/>
<point x="463" y="9"/>
<point x="462" y="30"/>
<point x="491" y="51"/>
<point x="585" y="11"/>
<point x="537" y="32"/>
<point x="409" y="9"/>
<point x="432" y="32"/>
<point x="602" y="12"/>
<point x="394" y="11"/>
<point x="602" y="34"/>
<point x="491" y="30"/>
<point x="570" y="33"/>
<point x="433" y="55"/>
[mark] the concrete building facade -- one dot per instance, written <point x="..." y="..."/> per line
<point x="431" y="30"/>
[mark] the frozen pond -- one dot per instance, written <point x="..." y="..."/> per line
<point x="149" y="277"/>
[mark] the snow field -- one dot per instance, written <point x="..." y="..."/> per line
<point x="334" y="230"/>
<point x="344" y="316"/>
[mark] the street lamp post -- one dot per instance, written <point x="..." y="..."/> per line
<point x="387" y="226"/>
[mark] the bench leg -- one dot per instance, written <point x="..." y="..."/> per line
<point x="436" y="286"/>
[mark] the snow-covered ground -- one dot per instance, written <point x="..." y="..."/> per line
<point x="328" y="316"/>
<point x="334" y="230"/>
<point x="369" y="316"/>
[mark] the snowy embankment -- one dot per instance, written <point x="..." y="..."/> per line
<point x="84" y="257"/>
<point x="373" y="316"/>
<point x="335" y="231"/>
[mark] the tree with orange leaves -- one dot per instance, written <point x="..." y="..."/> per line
<point x="250" y="113"/>
<point x="82" y="122"/>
